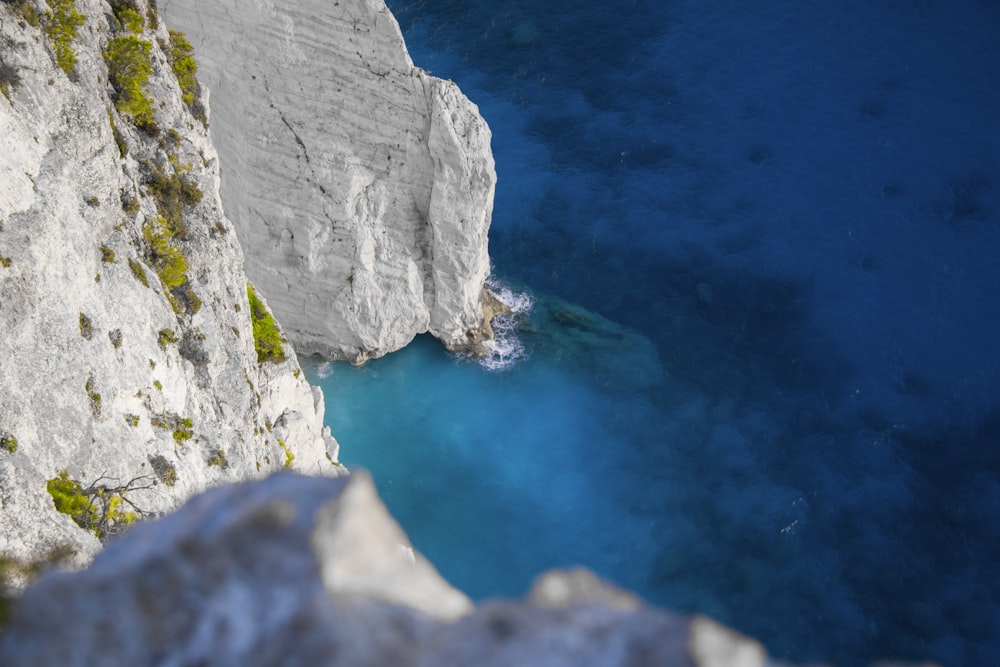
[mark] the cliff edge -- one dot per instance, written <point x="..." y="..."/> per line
<point x="361" y="187"/>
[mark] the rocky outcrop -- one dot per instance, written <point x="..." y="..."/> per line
<point x="361" y="186"/>
<point x="126" y="347"/>
<point x="278" y="572"/>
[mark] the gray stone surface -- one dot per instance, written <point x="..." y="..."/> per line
<point x="361" y="187"/>
<point x="241" y="576"/>
<point x="66" y="389"/>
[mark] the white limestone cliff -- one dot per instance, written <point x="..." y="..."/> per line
<point x="361" y="187"/>
<point x="101" y="375"/>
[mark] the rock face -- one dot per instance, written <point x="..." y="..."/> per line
<point x="119" y="361"/>
<point x="277" y="572"/>
<point x="360" y="186"/>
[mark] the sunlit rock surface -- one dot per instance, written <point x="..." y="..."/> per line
<point x="361" y="187"/>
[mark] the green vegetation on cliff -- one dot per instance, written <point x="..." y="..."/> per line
<point x="266" y="336"/>
<point x="127" y="13"/>
<point x="181" y="55"/>
<point x="129" y="67"/>
<point x="101" y="509"/>
<point x="179" y="427"/>
<point x="60" y="26"/>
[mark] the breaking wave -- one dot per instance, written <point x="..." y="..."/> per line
<point x="507" y="349"/>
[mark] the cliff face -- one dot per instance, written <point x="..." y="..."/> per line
<point x="126" y="346"/>
<point x="360" y="186"/>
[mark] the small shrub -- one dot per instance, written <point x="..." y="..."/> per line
<point x="95" y="398"/>
<point x="180" y="427"/>
<point x="191" y="301"/>
<point x="157" y="385"/>
<point x="164" y="470"/>
<point x="86" y="327"/>
<point x="266" y="336"/>
<point x="129" y="19"/>
<point x="27" y="12"/>
<point x="170" y="265"/>
<point x="68" y="497"/>
<point x="152" y="15"/>
<point x="130" y="204"/>
<point x="217" y="458"/>
<point x="173" y="193"/>
<point x="98" y="508"/>
<point x="181" y="55"/>
<point x="289" y="457"/>
<point x="8" y="443"/>
<point x="5" y="262"/>
<point x="167" y="337"/>
<point x="132" y="420"/>
<point x="129" y="67"/>
<point x="107" y="254"/>
<point x="138" y="272"/>
<point x="60" y="26"/>
<point x="115" y="336"/>
<point x="182" y="431"/>
<point x="92" y="201"/>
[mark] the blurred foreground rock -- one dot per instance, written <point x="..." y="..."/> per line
<point x="314" y="571"/>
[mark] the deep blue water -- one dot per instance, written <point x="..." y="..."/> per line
<point x="762" y="377"/>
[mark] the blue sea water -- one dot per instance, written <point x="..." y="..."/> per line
<point x="759" y="375"/>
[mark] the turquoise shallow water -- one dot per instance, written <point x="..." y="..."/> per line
<point x="478" y="463"/>
<point x="776" y="399"/>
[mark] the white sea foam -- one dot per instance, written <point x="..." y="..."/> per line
<point x="506" y="349"/>
<point x="324" y="370"/>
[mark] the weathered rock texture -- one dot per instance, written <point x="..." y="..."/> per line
<point x="97" y="370"/>
<point x="260" y="574"/>
<point x="360" y="186"/>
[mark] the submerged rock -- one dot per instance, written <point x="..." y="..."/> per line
<point x="361" y="186"/>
